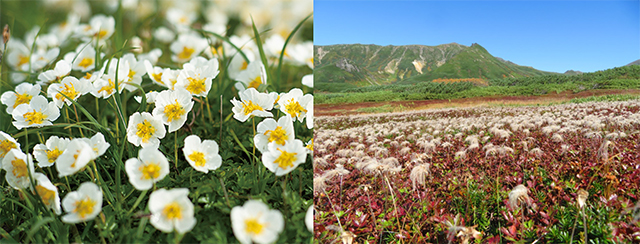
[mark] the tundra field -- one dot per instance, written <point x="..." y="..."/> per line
<point x="544" y="174"/>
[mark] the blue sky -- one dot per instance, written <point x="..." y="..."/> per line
<point x="547" y="35"/>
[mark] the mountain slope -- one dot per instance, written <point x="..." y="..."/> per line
<point x="476" y="62"/>
<point x="358" y="65"/>
<point x="637" y="62"/>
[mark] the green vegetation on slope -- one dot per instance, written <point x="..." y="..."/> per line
<point x="627" y="77"/>
<point x="365" y="65"/>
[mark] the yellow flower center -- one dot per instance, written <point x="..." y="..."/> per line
<point x="157" y="77"/>
<point x="46" y="194"/>
<point x="198" y="158"/>
<point x="294" y="109"/>
<point x="196" y="86"/>
<point x="131" y="74"/>
<point x="150" y="171"/>
<point x="278" y="135"/>
<point x="186" y="53"/>
<point x="244" y="65"/>
<point x="22" y="60"/>
<point x="75" y="158"/>
<point x="102" y="34"/>
<point x="21" y="99"/>
<point x="255" y="83"/>
<point x="286" y="159"/>
<point x="172" y="211"/>
<point x="52" y="155"/>
<point x="173" y="111"/>
<point x="253" y="226"/>
<point x="145" y="130"/>
<point x="249" y="107"/>
<point x="19" y="168"/>
<point x="310" y="145"/>
<point x="84" y="207"/>
<point x="108" y="88"/>
<point x="85" y="62"/>
<point x="87" y="76"/>
<point x="5" y="147"/>
<point x="69" y="90"/>
<point x="34" y="117"/>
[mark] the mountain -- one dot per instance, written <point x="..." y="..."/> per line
<point x="637" y="62"/>
<point x="355" y="65"/>
<point x="572" y="72"/>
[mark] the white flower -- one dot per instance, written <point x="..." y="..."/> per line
<point x="273" y="46"/>
<point x="295" y="104"/>
<point x="164" y="34"/>
<point x="77" y="155"/>
<point x="64" y="29"/>
<point x="307" y="80"/>
<point x="196" y="76"/>
<point x="252" y="103"/>
<point x="39" y="112"/>
<point x="252" y="77"/>
<point x="181" y="19"/>
<point x="92" y="77"/>
<point x="201" y="155"/>
<point x="41" y="57"/>
<point x="85" y="59"/>
<point x="309" y="114"/>
<point x="239" y="64"/>
<point x="150" y="96"/>
<point x="135" y="71"/>
<point x="69" y="86"/>
<point x="47" y="154"/>
<point x="100" y="27"/>
<point x="172" y="210"/>
<point x="169" y="78"/>
<point x="145" y="129"/>
<point x="47" y="192"/>
<point x="98" y="144"/>
<point x="83" y="204"/>
<point x="18" y="166"/>
<point x="187" y="47"/>
<point x="150" y="167"/>
<point x="283" y="159"/>
<point x="152" y="56"/>
<point x="301" y="54"/>
<point x="172" y="107"/>
<point x="23" y="95"/>
<point x="255" y="222"/>
<point x="105" y="86"/>
<point x="18" y="55"/>
<point x="155" y="73"/>
<point x="308" y="219"/>
<point x="309" y="146"/>
<point x="6" y="144"/>
<point x="62" y="69"/>
<point x="271" y="132"/>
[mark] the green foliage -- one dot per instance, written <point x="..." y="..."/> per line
<point x="125" y="215"/>
<point x="627" y="77"/>
<point x="395" y="64"/>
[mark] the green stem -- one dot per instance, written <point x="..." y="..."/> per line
<point x="135" y="204"/>
<point x="209" y="109"/>
<point x="175" y="149"/>
<point x="394" y="202"/>
<point x="224" y="189"/>
<point x="77" y="119"/>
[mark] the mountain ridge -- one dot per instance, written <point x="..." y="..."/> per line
<point x="357" y="65"/>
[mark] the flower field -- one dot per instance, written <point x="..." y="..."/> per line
<point x="156" y="121"/>
<point x="543" y="174"/>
